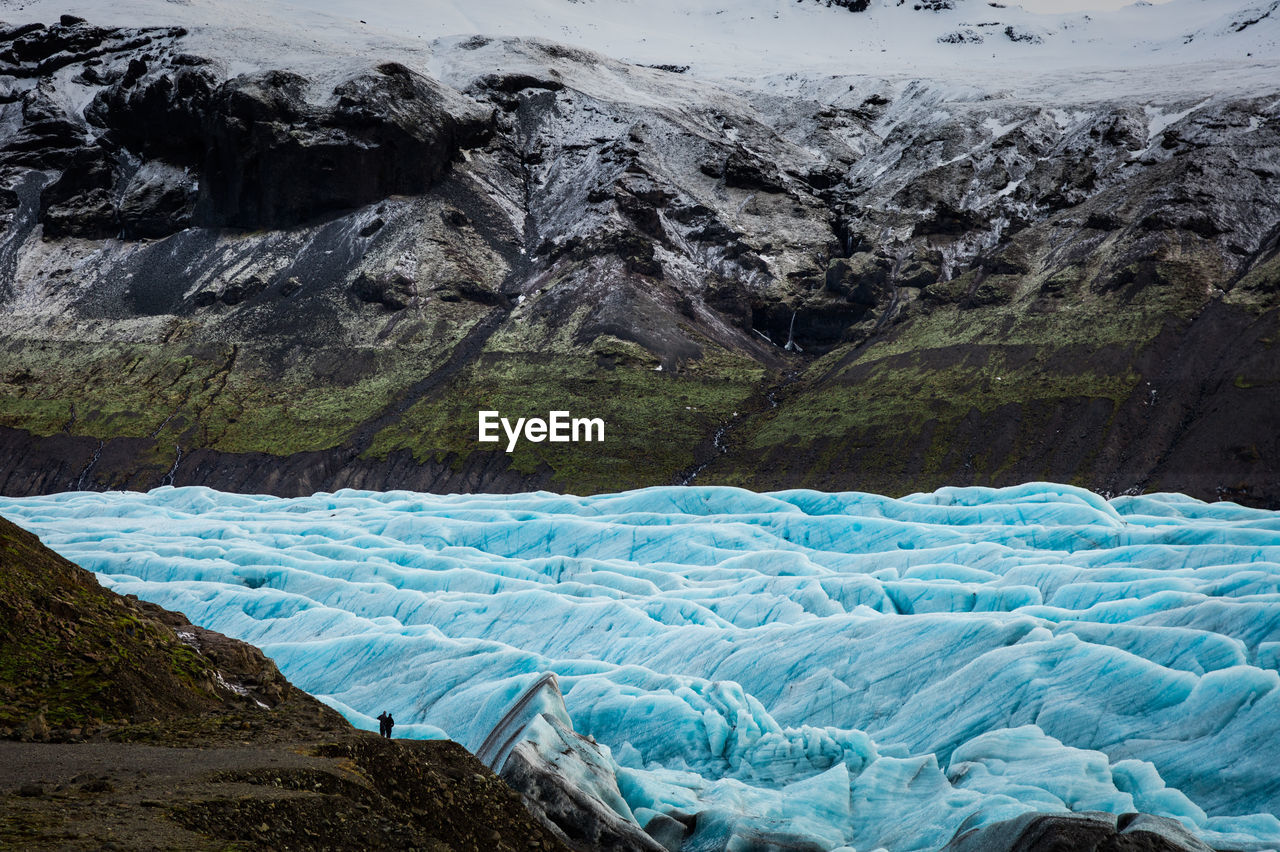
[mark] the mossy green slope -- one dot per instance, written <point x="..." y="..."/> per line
<point x="1068" y="376"/>
<point x="654" y="418"/>
<point x="73" y="655"/>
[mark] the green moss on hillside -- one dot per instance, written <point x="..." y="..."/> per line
<point x="654" y="419"/>
<point x="244" y="398"/>
<point x="79" y="656"/>
<point x="896" y="410"/>
<point x="900" y="409"/>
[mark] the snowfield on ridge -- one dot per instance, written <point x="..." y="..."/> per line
<point x="999" y="46"/>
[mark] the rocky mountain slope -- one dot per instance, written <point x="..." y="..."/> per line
<point x="295" y="275"/>
<point x="124" y="726"/>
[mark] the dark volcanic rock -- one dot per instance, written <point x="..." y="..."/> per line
<point x="35" y="50"/>
<point x="80" y="202"/>
<point x="747" y="171"/>
<point x="31" y="465"/>
<point x="177" y="98"/>
<point x="515" y="82"/>
<point x="273" y="160"/>
<point x="260" y="153"/>
<point x="917" y="273"/>
<point x="946" y="219"/>
<point x="862" y="278"/>
<point x="238" y="291"/>
<point x="851" y="5"/>
<point x="1089" y="832"/>
<point x="394" y="290"/>
<point x="157" y="200"/>
<point x="47" y="137"/>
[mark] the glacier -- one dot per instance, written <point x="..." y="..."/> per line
<point x="856" y="670"/>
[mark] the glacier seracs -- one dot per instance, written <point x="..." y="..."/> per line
<point x="857" y="670"/>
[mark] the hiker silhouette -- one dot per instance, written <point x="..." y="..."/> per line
<point x="384" y="724"/>
<point x="391" y="723"/>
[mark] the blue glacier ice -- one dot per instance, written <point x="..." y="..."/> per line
<point x="866" y="672"/>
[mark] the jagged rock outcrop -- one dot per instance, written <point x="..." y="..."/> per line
<point x="874" y="284"/>
<point x="252" y="151"/>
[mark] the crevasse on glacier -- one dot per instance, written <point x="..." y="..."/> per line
<point x="860" y="670"/>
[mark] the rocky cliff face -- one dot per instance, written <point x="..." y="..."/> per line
<point x="278" y="281"/>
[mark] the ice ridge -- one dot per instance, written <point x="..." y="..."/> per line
<point x="852" y="669"/>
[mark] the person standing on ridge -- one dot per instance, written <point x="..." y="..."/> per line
<point x="383" y="731"/>
<point x="391" y="723"/>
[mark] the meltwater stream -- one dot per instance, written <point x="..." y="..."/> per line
<point x="859" y="670"/>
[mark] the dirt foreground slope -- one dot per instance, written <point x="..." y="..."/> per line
<point x="122" y="726"/>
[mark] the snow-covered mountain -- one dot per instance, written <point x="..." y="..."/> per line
<point x="990" y="41"/>
<point x="271" y="247"/>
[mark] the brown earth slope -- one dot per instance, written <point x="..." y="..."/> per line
<point x="122" y="726"/>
